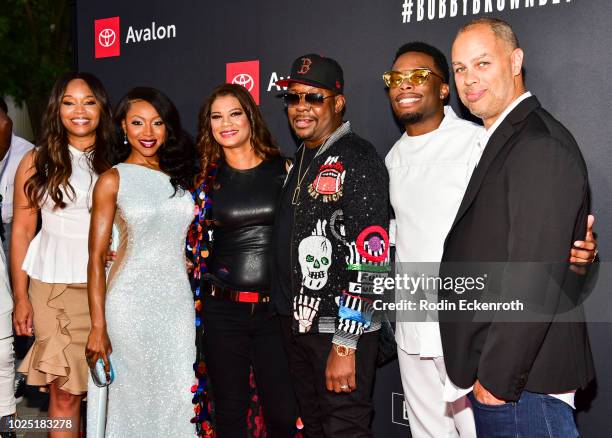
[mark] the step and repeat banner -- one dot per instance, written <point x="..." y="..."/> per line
<point x="185" y="48"/>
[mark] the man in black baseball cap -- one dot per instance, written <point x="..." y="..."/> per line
<point x="317" y="71"/>
<point x="315" y="103"/>
<point x="331" y="242"/>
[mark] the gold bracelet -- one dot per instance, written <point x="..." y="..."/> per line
<point x="343" y="350"/>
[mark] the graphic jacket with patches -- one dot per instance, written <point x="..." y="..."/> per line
<point x="340" y="239"/>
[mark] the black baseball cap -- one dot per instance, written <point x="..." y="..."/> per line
<point x="317" y="71"/>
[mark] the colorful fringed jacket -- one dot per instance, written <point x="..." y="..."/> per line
<point x="198" y="251"/>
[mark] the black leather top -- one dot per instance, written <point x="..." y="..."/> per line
<point x="243" y="209"/>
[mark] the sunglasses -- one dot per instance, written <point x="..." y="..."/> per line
<point x="419" y="76"/>
<point x="292" y="99"/>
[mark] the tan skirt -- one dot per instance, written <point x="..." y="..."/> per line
<point x="61" y="328"/>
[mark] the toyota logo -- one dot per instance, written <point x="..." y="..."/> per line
<point x="245" y="80"/>
<point x="106" y="37"/>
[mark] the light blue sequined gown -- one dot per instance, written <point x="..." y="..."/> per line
<point x="149" y="311"/>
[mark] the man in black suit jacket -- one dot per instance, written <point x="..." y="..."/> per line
<point x="527" y="200"/>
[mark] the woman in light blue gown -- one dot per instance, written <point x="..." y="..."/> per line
<point x="144" y="317"/>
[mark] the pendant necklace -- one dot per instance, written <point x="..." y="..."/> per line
<point x="300" y="177"/>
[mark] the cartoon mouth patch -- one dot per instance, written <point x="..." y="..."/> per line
<point x="329" y="181"/>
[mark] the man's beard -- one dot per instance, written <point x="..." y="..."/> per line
<point x="410" y="118"/>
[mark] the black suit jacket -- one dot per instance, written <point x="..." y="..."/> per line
<point x="527" y="201"/>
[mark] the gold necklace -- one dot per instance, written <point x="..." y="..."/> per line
<point x="300" y="178"/>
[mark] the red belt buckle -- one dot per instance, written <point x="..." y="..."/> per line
<point x="248" y="297"/>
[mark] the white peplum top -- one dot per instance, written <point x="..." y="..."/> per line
<point x="58" y="253"/>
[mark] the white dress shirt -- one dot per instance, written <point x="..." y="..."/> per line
<point x="8" y="168"/>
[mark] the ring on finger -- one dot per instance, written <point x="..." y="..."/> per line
<point x="344" y="387"/>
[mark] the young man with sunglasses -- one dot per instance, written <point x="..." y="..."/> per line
<point x="331" y="243"/>
<point x="430" y="167"/>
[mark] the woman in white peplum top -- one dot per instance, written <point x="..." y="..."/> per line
<point x="49" y="270"/>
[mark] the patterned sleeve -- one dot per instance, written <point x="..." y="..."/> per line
<point x="365" y="206"/>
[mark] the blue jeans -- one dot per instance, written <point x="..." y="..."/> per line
<point x="533" y="416"/>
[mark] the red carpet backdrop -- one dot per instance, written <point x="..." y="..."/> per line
<point x="186" y="47"/>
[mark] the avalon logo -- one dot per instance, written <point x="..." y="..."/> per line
<point x="107" y="37"/>
<point x="245" y="73"/>
<point x="107" y="34"/>
<point x="155" y="32"/>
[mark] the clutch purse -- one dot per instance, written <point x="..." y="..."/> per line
<point x="98" y="374"/>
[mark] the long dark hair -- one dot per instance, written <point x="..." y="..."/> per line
<point x="210" y="151"/>
<point x="52" y="159"/>
<point x="177" y="153"/>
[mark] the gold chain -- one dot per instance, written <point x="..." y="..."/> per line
<point x="300" y="177"/>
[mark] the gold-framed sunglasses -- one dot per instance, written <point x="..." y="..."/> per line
<point x="418" y="76"/>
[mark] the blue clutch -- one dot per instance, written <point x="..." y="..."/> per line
<point x="98" y="374"/>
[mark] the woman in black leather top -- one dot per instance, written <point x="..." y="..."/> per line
<point x="245" y="173"/>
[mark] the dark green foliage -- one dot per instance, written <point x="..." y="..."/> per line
<point x="35" y="48"/>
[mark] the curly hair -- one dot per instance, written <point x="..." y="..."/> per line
<point x="52" y="159"/>
<point x="210" y="150"/>
<point x="177" y="153"/>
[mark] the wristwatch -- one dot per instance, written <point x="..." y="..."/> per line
<point x="343" y="350"/>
